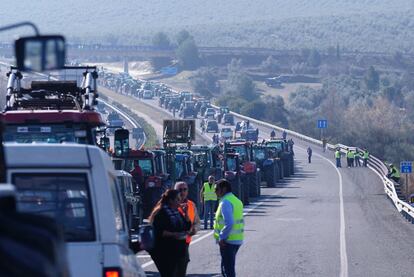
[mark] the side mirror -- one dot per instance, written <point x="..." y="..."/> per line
<point x="121" y="142"/>
<point x="40" y="53"/>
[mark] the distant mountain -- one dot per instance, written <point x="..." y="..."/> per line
<point x="355" y="24"/>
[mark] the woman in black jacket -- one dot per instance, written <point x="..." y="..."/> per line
<point x="170" y="228"/>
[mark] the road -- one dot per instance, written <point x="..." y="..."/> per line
<point x="129" y="125"/>
<point x="320" y="222"/>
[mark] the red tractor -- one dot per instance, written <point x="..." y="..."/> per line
<point x="251" y="180"/>
<point x="141" y="165"/>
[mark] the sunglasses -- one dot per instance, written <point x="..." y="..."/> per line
<point x="182" y="189"/>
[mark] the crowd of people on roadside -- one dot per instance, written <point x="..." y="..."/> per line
<point x="175" y="220"/>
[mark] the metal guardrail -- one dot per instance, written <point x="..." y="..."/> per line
<point x="375" y="165"/>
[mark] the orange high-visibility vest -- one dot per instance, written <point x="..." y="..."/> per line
<point x="191" y="215"/>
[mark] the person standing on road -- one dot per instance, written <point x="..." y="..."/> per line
<point x="284" y="134"/>
<point x="309" y="154"/>
<point x="352" y="158"/>
<point x="209" y="198"/>
<point x="324" y="142"/>
<point x="365" y="157"/>
<point x="272" y="134"/>
<point x="170" y="228"/>
<point x="187" y="207"/>
<point x="357" y="158"/>
<point x="348" y="157"/>
<point x="228" y="227"/>
<point x="338" y="157"/>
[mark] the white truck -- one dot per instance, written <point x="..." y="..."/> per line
<point x="76" y="185"/>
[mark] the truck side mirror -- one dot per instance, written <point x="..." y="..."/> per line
<point x="40" y="53"/>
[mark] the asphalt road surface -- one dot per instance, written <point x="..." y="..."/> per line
<point x="320" y="222"/>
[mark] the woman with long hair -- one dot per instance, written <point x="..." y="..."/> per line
<point x="170" y="229"/>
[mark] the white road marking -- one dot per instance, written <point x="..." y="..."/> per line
<point x="143" y="256"/>
<point x="342" y="237"/>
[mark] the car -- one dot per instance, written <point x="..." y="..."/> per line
<point x="76" y="185"/>
<point x="226" y="133"/>
<point x="147" y="94"/>
<point x="210" y="113"/>
<point x="212" y="126"/>
<point x="228" y="119"/>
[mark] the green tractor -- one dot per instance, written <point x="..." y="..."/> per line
<point x="208" y="161"/>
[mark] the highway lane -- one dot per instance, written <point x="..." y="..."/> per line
<point x="294" y="232"/>
<point x="302" y="209"/>
<point x="299" y="233"/>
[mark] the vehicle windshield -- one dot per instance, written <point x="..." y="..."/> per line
<point x="276" y="144"/>
<point x="179" y="169"/>
<point x="241" y="150"/>
<point x="64" y="197"/>
<point x="54" y="133"/>
<point x="231" y="164"/>
<point x="259" y="154"/>
<point x="146" y="166"/>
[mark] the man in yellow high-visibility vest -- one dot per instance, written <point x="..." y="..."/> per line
<point x="228" y="227"/>
<point x="209" y="198"/>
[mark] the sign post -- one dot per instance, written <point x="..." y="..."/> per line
<point x="406" y="167"/>
<point x="322" y="124"/>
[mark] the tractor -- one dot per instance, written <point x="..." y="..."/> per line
<point x="234" y="174"/>
<point x="251" y="181"/>
<point x="268" y="162"/>
<point x="285" y="155"/>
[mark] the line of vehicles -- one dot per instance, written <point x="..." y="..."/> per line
<point x="62" y="168"/>
<point x="238" y="155"/>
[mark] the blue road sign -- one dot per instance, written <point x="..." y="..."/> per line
<point x="169" y="70"/>
<point x="406" y="167"/>
<point x="322" y="123"/>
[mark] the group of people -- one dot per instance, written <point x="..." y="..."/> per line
<point x="354" y="158"/>
<point x="216" y="139"/>
<point x="175" y="220"/>
<point x="273" y="134"/>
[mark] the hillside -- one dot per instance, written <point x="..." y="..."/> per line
<point x="266" y="23"/>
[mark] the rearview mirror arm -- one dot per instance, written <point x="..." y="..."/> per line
<point x="21" y="24"/>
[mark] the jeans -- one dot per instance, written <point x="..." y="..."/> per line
<point x="309" y="158"/>
<point x="209" y="207"/>
<point x="228" y="259"/>
<point x="338" y="162"/>
<point x="365" y="162"/>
